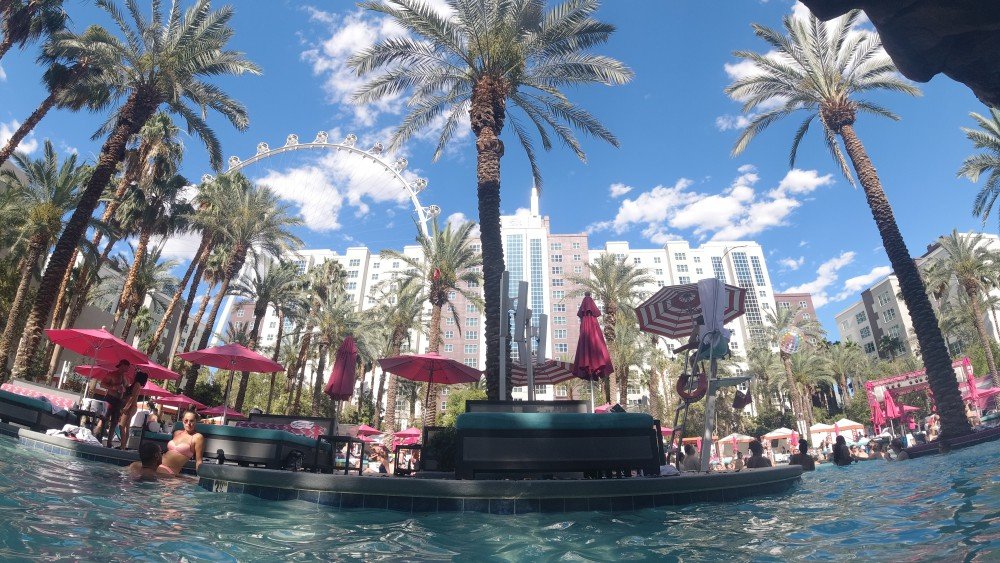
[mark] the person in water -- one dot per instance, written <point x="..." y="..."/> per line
<point x="896" y="445"/>
<point x="114" y="390"/>
<point x="803" y="458"/>
<point x="149" y="465"/>
<point x="841" y="453"/>
<point x="757" y="459"/>
<point x="186" y="444"/>
<point x="690" y="462"/>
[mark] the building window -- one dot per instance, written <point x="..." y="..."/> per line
<point x="869" y="347"/>
<point x="697" y="259"/>
<point x="656" y="259"/>
<point x="472" y="322"/>
<point x="556" y="246"/>
<point x="558" y="294"/>
<point x="633" y="388"/>
<point x="558" y="320"/>
<point x="354" y="263"/>
<point x="395" y="264"/>
<point x="558" y="282"/>
<point x="558" y="307"/>
<point x="866" y="332"/>
<point x="889" y="314"/>
<point x="682" y="268"/>
<point x="734" y="345"/>
<point x="806" y="316"/>
<point x="845" y="325"/>
<point x="883" y="298"/>
<point x="636" y="260"/>
<point x="561" y="348"/>
<point x="576" y="257"/>
<point x="452" y="295"/>
<point x="471" y="348"/>
<point x="449" y="334"/>
<point x="470" y="308"/>
<point x="680" y="256"/>
<point x="575" y="245"/>
<point x="562" y="391"/>
<point x="352" y="273"/>
<point x="577" y="269"/>
<point x="559" y="333"/>
<point x="860" y="317"/>
<point x="351" y="286"/>
<point x="684" y="279"/>
<point x="758" y="270"/>
<point x="472" y="335"/>
<point x="786" y="306"/>
<point x="476" y="247"/>
<point x="472" y="283"/>
<point x="240" y="313"/>
<point x="894" y="331"/>
<point x="557" y="270"/>
<point x="375" y="265"/>
<point x="658" y="271"/>
<point x="699" y="271"/>
<point x="717" y="270"/>
<point x="374" y="277"/>
<point x="449" y="347"/>
<point x="557" y="257"/>
<point x="541" y="389"/>
<point x="471" y="362"/>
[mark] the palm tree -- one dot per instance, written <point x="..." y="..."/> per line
<point x="615" y="284"/>
<point x="23" y="21"/>
<point x="45" y="192"/>
<point x="276" y="284"/>
<point x="778" y="324"/>
<point x="402" y="315"/>
<point x="845" y="361"/>
<point x="160" y="62"/>
<point x="322" y="278"/>
<point x="819" y="68"/>
<point x="971" y="268"/>
<point x="489" y="54"/>
<point x="150" y="277"/>
<point x="449" y="266"/>
<point x="986" y="137"/>
<point x="809" y="371"/>
<point x="214" y="270"/>
<point x="253" y="222"/>
<point x="626" y="351"/>
<point x="889" y="346"/>
<point x="765" y="368"/>
<point x="335" y="316"/>
<point x="70" y="87"/>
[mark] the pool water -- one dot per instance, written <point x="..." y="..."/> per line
<point x="943" y="507"/>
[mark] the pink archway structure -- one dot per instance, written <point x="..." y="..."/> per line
<point x="917" y="381"/>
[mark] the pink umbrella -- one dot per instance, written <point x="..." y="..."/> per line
<point x="151" y="389"/>
<point x="97" y="372"/>
<point x="836" y="429"/>
<point x="233" y="357"/>
<point x="891" y="410"/>
<point x="411" y="432"/>
<point x="365" y="430"/>
<point x="224" y="412"/>
<point x="592" y="358"/>
<point x="549" y="372"/>
<point x="878" y="417"/>
<point x="156" y="371"/>
<point x="340" y="387"/>
<point x="180" y="400"/>
<point x="606" y="407"/>
<point x="96" y="343"/>
<point x="431" y="368"/>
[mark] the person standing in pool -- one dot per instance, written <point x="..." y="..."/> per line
<point x="114" y="390"/>
<point x="757" y="459"/>
<point x="803" y="458"/>
<point x="130" y="405"/>
<point x="186" y="444"/>
<point x="691" y="461"/>
<point x="841" y="453"/>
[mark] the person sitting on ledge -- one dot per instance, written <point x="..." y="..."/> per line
<point x="148" y="467"/>
<point x="757" y="459"/>
<point x="803" y="458"/>
<point x="690" y="461"/>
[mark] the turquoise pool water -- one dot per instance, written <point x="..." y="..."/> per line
<point x="944" y="507"/>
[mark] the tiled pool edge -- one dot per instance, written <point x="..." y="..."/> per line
<point x="57" y="445"/>
<point x="409" y="495"/>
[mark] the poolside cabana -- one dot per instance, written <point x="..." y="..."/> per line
<point x="729" y="445"/>
<point x="820" y="432"/>
<point x="780" y="438"/>
<point x="852" y="431"/>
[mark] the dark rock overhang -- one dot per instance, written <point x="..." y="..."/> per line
<point x="959" y="38"/>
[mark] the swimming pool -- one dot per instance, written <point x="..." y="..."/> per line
<point x="940" y="507"/>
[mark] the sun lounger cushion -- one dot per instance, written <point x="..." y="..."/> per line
<point x="552" y="421"/>
<point x="30" y="402"/>
<point x="59" y="401"/>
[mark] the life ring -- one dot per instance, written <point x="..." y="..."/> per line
<point x="699" y="391"/>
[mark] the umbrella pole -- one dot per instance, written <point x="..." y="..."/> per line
<point x="225" y="404"/>
<point x="591" y="395"/>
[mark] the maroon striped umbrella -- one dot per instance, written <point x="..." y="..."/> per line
<point x="549" y="372"/>
<point x="673" y="310"/>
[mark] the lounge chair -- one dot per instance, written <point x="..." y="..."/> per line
<point x="32" y="412"/>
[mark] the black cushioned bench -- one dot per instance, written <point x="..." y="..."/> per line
<point x="534" y="443"/>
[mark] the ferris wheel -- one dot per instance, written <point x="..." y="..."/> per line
<point x="373" y="158"/>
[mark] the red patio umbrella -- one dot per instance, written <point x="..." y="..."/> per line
<point x="592" y="358"/>
<point x="151" y="389"/>
<point x="97" y="372"/>
<point x="673" y="310"/>
<point x="430" y="368"/>
<point x="794" y="439"/>
<point x="233" y="357"/>
<point x="97" y="344"/>
<point x="411" y="432"/>
<point x="156" y="371"/>
<point x="365" y="430"/>
<point x="340" y="387"/>
<point x="223" y="411"/>
<point x="549" y="372"/>
<point x="606" y="407"/>
<point x="180" y="400"/>
<point x="878" y="417"/>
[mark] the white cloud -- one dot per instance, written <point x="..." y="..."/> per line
<point x="826" y="276"/>
<point x="800" y="11"/>
<point x="3" y="75"/>
<point x="322" y="187"/>
<point x="618" y="189"/>
<point x="28" y="145"/>
<point x="458" y="219"/>
<point x="181" y="246"/>
<point x="858" y="283"/>
<point x="792" y="263"/>
<point x="736" y="212"/>
<point x="727" y="122"/>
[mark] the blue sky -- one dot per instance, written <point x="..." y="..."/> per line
<point x="672" y="176"/>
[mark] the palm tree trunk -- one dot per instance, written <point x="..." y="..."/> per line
<point x="275" y="356"/>
<point x="653" y="388"/>
<point x="621" y="374"/>
<point x="59" y="312"/>
<point x="940" y="375"/>
<point x="162" y="327"/>
<point x="486" y="115"/>
<point x="126" y="295"/>
<point x="324" y="348"/>
<point x="27" y="126"/>
<point x="431" y="394"/>
<point x="300" y="381"/>
<point x="132" y="116"/>
<point x="393" y="387"/>
<point x="984" y="336"/>
<point x="28" y="263"/>
<point x="299" y="364"/>
<point x="241" y="393"/>
<point x="235" y="264"/>
<point x="794" y="396"/>
<point x="196" y="321"/>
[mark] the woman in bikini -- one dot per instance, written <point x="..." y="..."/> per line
<point x="186" y="444"/>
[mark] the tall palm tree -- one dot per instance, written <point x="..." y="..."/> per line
<point x="322" y="278"/>
<point x="809" y="371"/>
<point x="335" y="316"/>
<point x="45" y="192"/>
<point x="278" y="283"/>
<point x="150" y="276"/>
<point x="778" y="324"/>
<point x="986" y="137"/>
<point x="23" y="21"/>
<point x="214" y="270"/>
<point x="159" y="62"/>
<point x="401" y="316"/>
<point x="615" y="284"/>
<point x="765" y="367"/>
<point x="475" y="62"/>
<point x="449" y="265"/>
<point x="820" y="68"/>
<point x="971" y="267"/>
<point x="626" y="351"/>
<point x="845" y="360"/>
<point x="255" y="223"/>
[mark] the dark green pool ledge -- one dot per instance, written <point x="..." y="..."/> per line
<point x="496" y="497"/>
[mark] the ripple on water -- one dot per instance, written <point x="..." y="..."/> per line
<point x="938" y="508"/>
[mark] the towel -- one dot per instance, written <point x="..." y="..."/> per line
<point x="713" y="336"/>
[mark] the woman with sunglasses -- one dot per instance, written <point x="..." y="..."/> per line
<point x="186" y="444"/>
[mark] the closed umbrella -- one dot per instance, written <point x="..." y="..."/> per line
<point x="592" y="358"/>
<point x="878" y="417"/>
<point x="340" y="385"/>
<point x="891" y="410"/>
<point x="794" y="440"/>
<point x="233" y="357"/>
